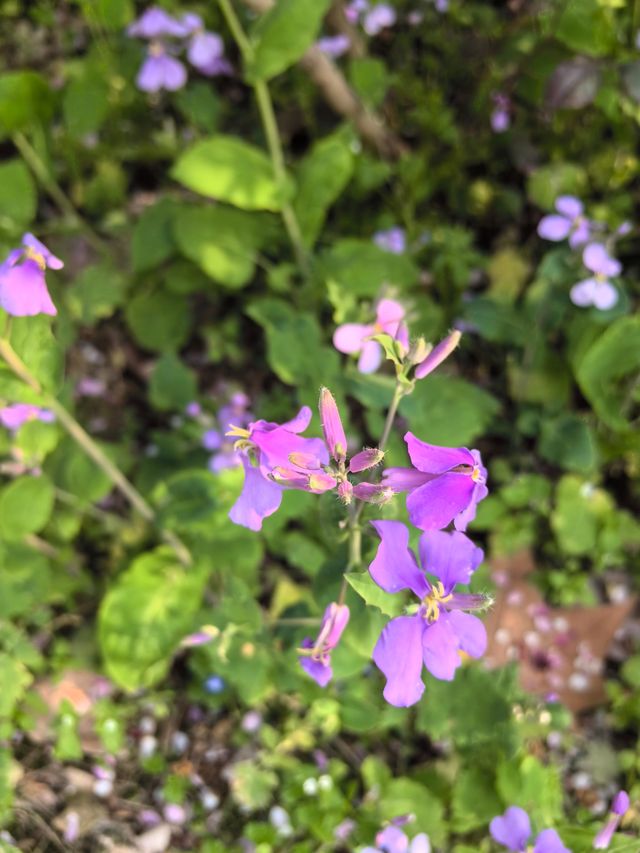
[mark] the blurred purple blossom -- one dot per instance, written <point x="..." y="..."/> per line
<point x="392" y="839"/>
<point x="160" y="71"/>
<point x="619" y="807"/>
<point x="501" y="113"/>
<point x="378" y="18"/>
<point x="569" y="222"/>
<point x="155" y="23"/>
<point x="597" y="290"/>
<point x="23" y="288"/>
<point x="392" y="240"/>
<point x="513" y="830"/>
<point x="14" y="416"/>
<point x="334" y="46"/>
<point x="235" y="413"/>
<point x="317" y="660"/>
<point x="353" y="337"/>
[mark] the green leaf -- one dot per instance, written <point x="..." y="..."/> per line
<point x="222" y="241"/>
<point x="367" y="589"/>
<point x="96" y="293"/>
<point x="405" y="796"/>
<point x="159" y="320"/>
<point x="283" y="35"/>
<point x="586" y="27"/>
<point x="25" y="580"/>
<point x="321" y="177"/>
<point x="449" y="410"/>
<point x="144" y="615"/>
<point x="24" y="97"/>
<point x="86" y="102"/>
<point x="33" y="341"/>
<point x="362" y="267"/>
<point x="172" y="384"/>
<point x="370" y="78"/>
<point x="545" y="184"/>
<point x="580" y="511"/>
<point x="608" y="373"/>
<point x="532" y="786"/>
<point x="15" y="678"/>
<point x="18" y="195"/>
<point x="152" y="240"/>
<point x="251" y="785"/>
<point x="569" y="442"/>
<point x="227" y="169"/>
<point x="72" y="471"/>
<point x="474" y="802"/>
<point x="25" y="506"/>
<point x="295" y="349"/>
<point x="111" y="14"/>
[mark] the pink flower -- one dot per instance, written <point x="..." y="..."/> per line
<point x="353" y="337"/>
<point x="316" y="656"/>
<point x="23" y="289"/>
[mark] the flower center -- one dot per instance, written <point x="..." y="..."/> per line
<point x="156" y="48"/>
<point x="433" y="600"/>
<point x="33" y="255"/>
<point x="476" y="475"/>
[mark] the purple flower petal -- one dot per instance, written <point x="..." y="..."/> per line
<point x="404" y="479"/>
<point x="596" y="258"/>
<point x="512" y="829"/>
<point x="204" y="48"/>
<point x="605" y="296"/>
<point x="464" y="518"/>
<point x="349" y="337"/>
<point x="394" y="566"/>
<point x="259" y="498"/>
<point x="438" y="354"/>
<point x="433" y="459"/>
<point x="392" y="840"/>
<point x="23" y="290"/>
<point x="470" y="631"/>
<point x="398" y="654"/>
<point x="580" y="234"/>
<point x="332" y="428"/>
<point x="582" y="294"/>
<point x="151" y="74"/>
<point x="392" y="240"/>
<point x="378" y="18"/>
<point x="434" y="505"/>
<point x="300" y="422"/>
<point x="370" y="357"/>
<point x="440" y="649"/>
<point x="554" y="227"/>
<point x="569" y="205"/>
<point x="156" y="23"/>
<point x="212" y="439"/>
<point x="549" y="842"/>
<point x="334" y="46"/>
<point x="50" y="259"/>
<point x="420" y="844"/>
<point x="451" y="557"/>
<point x="320" y="670"/>
<point x="175" y="74"/>
<point x="621" y="803"/>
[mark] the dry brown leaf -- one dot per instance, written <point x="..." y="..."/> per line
<point x="560" y="650"/>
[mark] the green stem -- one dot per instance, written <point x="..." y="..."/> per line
<point x="44" y="176"/>
<point x="391" y="415"/>
<point x="93" y="450"/>
<point x="270" y="127"/>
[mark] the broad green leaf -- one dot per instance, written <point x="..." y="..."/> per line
<point x="144" y="615"/>
<point x="532" y="786"/>
<point x="172" y="384"/>
<point x="321" y="177"/>
<point x="608" y="373"/>
<point x="72" y="471"/>
<point x="251" y="785"/>
<point x="159" y="320"/>
<point x="405" y="796"/>
<point x="152" y="240"/>
<point x="18" y="195"/>
<point x="222" y="241"/>
<point x="362" y="268"/>
<point x="586" y="27"/>
<point x="283" y="35"/>
<point x="580" y="511"/>
<point x="227" y="169"/>
<point x="33" y="341"/>
<point x="25" y="580"/>
<point x="370" y="592"/>
<point x="545" y="184"/>
<point x="448" y="410"/>
<point x="25" y="506"/>
<point x="85" y="104"/>
<point x="569" y="442"/>
<point x="24" y="97"/>
<point x="15" y="678"/>
<point x="370" y="78"/>
<point x="96" y="293"/>
<point x="474" y="801"/>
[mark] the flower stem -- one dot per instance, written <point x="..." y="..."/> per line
<point x="398" y="394"/>
<point x="270" y="127"/>
<point x="93" y="450"/>
<point x="44" y="176"/>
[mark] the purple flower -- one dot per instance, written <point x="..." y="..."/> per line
<point x="392" y="240"/>
<point x="513" y="829"/>
<point x="206" y="53"/>
<point x="12" y="417"/>
<point x="378" y="18"/>
<point x="315" y="656"/>
<point x="334" y="46"/>
<point x="23" y="289"/>
<point x="332" y="428"/>
<point x="438" y="354"/>
<point x="266" y="449"/>
<point x="568" y="222"/>
<point x="500" y="116"/>
<point x="439" y="630"/>
<point x="445" y="484"/>
<point x="597" y="290"/>
<point x="353" y="337"/>
<point x="156" y="23"/>
<point x="160" y="71"/>
<point x="193" y="409"/>
<point x="392" y="839"/>
<point x="619" y="807"/>
<point x="233" y="415"/>
<point x="354" y="10"/>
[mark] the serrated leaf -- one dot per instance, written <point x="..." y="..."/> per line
<point x="370" y="592"/>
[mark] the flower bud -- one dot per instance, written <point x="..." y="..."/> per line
<point x="289" y="477"/>
<point x="305" y="460"/>
<point x="345" y="492"/>
<point x="438" y="354"/>
<point x="373" y="493"/>
<point x="368" y="458"/>
<point x="332" y="426"/>
<point x="319" y="482"/>
<point x="419" y="351"/>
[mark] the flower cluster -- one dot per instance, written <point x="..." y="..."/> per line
<point x="374" y="18"/>
<point x="166" y="37"/>
<point x="23" y="288"/>
<point x="570" y="223"/>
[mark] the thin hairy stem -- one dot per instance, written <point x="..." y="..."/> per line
<point x="93" y="450"/>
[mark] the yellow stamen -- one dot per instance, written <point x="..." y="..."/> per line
<point x="33" y="255"/>
<point x="433" y="600"/>
<point x="237" y="432"/>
